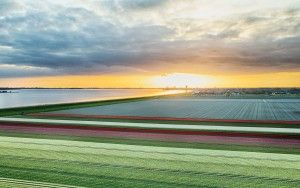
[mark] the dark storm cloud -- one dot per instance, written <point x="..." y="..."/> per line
<point x="55" y="39"/>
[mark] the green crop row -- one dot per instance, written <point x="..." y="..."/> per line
<point x="113" y="165"/>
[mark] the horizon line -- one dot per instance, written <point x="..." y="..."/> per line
<point x="168" y="88"/>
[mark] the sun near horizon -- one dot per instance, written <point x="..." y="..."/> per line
<point x="179" y="80"/>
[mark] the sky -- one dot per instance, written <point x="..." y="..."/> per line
<point x="149" y="43"/>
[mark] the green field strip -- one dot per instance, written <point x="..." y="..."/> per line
<point x="100" y="160"/>
<point x="17" y="183"/>
<point x="157" y="126"/>
<point x="114" y="165"/>
<point x="289" y="164"/>
<point x="137" y="173"/>
<point x="292" y="161"/>
<point x="85" y="180"/>
<point x="142" y="142"/>
<point x="285" y="163"/>
<point x="175" y="178"/>
<point x="97" y="181"/>
<point x="66" y="143"/>
<point x="151" y="152"/>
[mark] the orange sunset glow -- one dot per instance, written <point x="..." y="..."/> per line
<point x="150" y="93"/>
<point x="150" y="44"/>
<point x="159" y="81"/>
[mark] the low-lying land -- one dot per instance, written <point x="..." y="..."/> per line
<point x="40" y="148"/>
<point x="197" y="108"/>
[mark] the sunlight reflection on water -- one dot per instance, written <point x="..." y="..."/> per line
<point x="30" y="97"/>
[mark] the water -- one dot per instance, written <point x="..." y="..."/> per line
<point x="31" y="97"/>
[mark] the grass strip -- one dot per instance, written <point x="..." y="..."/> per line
<point x="184" y="154"/>
<point x="68" y="173"/>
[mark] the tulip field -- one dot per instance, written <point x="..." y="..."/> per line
<point x="241" y="109"/>
<point x="118" y="165"/>
<point x="108" y="145"/>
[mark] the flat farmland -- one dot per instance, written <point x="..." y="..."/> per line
<point x="236" y="109"/>
<point x="44" y="148"/>
<point x="36" y="162"/>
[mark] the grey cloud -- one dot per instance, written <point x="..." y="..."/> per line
<point x="136" y="5"/>
<point x="141" y="4"/>
<point x="9" y="6"/>
<point x="74" y="40"/>
<point x="70" y="40"/>
<point x="17" y="71"/>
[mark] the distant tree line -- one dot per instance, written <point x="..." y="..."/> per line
<point x="247" y="91"/>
